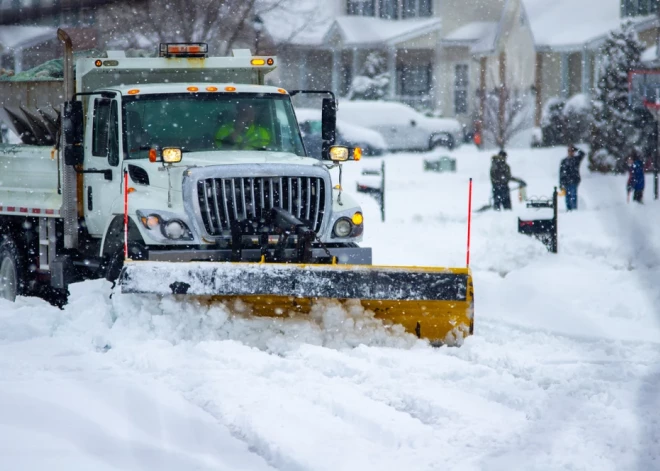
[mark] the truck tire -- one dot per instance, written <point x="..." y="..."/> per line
<point x="12" y="270"/>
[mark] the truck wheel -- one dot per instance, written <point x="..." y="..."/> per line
<point x="12" y="270"/>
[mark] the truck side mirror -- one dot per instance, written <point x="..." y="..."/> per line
<point x="328" y="125"/>
<point x="72" y="132"/>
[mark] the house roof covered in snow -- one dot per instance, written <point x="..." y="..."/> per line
<point x="650" y="55"/>
<point x="20" y="37"/>
<point x="472" y="32"/>
<point x="364" y="30"/>
<point x="570" y="24"/>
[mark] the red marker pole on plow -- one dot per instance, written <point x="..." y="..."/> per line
<point x="125" y="214"/>
<point x="467" y="262"/>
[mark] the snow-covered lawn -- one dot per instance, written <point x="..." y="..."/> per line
<point x="563" y="371"/>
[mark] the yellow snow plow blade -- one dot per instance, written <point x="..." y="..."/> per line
<point x="430" y="302"/>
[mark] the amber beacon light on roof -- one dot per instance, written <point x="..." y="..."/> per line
<point x="183" y="50"/>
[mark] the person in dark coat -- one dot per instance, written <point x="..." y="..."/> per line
<point x="500" y="174"/>
<point x="636" y="177"/>
<point x="569" y="176"/>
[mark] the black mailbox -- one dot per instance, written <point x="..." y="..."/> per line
<point x="543" y="229"/>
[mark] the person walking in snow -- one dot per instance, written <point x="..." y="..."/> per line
<point x="569" y="176"/>
<point x="636" y="177"/>
<point x="500" y="174"/>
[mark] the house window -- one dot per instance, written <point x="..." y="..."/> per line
<point x="415" y="80"/>
<point x="391" y="9"/>
<point x="388" y="9"/>
<point x="639" y="7"/>
<point x="360" y="7"/>
<point x="461" y="84"/>
<point x="416" y="8"/>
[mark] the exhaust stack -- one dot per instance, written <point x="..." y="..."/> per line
<point x="69" y="176"/>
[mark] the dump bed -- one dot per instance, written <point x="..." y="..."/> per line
<point x="29" y="181"/>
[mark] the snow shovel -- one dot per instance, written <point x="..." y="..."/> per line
<point x="522" y="195"/>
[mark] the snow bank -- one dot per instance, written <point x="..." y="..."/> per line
<point x="562" y="372"/>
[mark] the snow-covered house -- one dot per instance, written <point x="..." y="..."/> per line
<point x="568" y="35"/>
<point x="437" y="49"/>
<point x="434" y="49"/>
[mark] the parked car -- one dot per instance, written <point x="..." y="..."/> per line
<point x="371" y="142"/>
<point x="403" y="127"/>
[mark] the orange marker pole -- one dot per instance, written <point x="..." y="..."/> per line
<point x="125" y="215"/>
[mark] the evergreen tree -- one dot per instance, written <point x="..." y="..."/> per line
<point x="614" y="133"/>
<point x="374" y="80"/>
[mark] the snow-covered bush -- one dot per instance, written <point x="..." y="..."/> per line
<point x="614" y="131"/>
<point x="552" y="122"/>
<point x="577" y="119"/>
<point x="373" y="81"/>
<point x="601" y="161"/>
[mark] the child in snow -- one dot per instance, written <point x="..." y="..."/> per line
<point x="636" y="177"/>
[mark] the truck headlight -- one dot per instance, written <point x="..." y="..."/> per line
<point x="174" y="229"/>
<point x="342" y="227"/>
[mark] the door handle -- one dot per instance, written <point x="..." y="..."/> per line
<point x="90" y="201"/>
<point x="107" y="173"/>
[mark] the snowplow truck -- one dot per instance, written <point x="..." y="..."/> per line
<point x="186" y="175"/>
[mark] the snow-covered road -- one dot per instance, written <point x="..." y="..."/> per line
<point x="563" y="371"/>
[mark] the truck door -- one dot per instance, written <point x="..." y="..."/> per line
<point x="102" y="177"/>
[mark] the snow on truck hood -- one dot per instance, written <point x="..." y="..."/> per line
<point x="209" y="158"/>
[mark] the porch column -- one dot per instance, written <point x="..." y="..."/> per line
<point x="391" y="69"/>
<point x="355" y="64"/>
<point x="483" y="64"/>
<point x="302" y="78"/>
<point x="565" y="85"/>
<point x="586" y="72"/>
<point x="538" y="85"/>
<point x="18" y="60"/>
<point x="336" y="65"/>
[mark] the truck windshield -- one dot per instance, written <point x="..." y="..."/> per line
<point x="199" y="122"/>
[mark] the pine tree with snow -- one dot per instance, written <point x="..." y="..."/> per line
<point x="374" y="80"/>
<point x="614" y="133"/>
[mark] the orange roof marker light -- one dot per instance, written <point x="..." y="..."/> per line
<point x="211" y="89"/>
<point x="258" y="61"/>
<point x="230" y="89"/>
<point x="183" y="50"/>
<point x="192" y="89"/>
<point x="133" y="91"/>
<point x="281" y="90"/>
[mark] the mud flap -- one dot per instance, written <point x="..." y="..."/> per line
<point x="430" y="302"/>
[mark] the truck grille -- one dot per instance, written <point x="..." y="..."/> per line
<point x="223" y="201"/>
